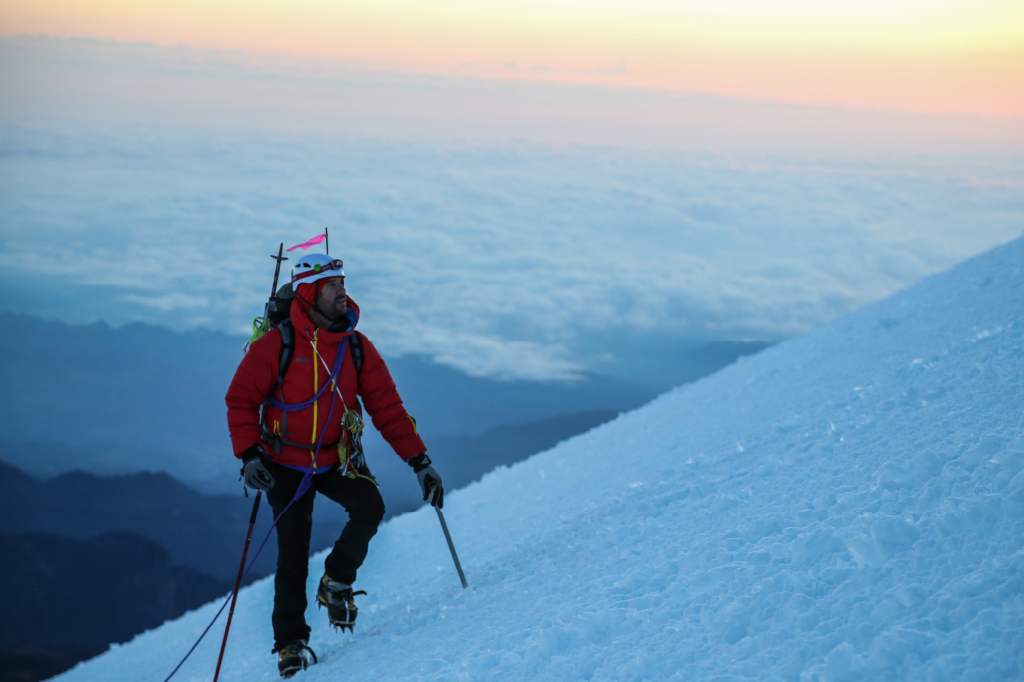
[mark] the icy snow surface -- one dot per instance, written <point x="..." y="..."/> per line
<point x="848" y="505"/>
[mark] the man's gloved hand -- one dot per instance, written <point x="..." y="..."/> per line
<point x="254" y="469"/>
<point x="430" y="481"/>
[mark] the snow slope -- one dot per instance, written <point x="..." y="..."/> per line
<point x="848" y="505"/>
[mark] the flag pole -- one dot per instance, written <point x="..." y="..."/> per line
<point x="327" y="241"/>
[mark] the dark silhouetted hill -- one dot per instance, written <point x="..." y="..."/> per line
<point x="202" y="532"/>
<point x="64" y="599"/>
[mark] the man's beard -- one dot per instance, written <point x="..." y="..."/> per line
<point x="333" y="315"/>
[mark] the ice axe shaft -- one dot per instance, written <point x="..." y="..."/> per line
<point x="277" y="267"/>
<point x="451" y="546"/>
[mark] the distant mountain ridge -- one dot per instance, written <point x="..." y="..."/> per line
<point x="144" y="398"/>
<point x="198" y="531"/>
<point x="470" y="457"/>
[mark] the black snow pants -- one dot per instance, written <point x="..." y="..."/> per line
<point x="365" y="508"/>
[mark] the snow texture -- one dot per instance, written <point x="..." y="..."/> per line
<point x="847" y="505"/>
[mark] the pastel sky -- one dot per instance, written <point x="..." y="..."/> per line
<point x="922" y="55"/>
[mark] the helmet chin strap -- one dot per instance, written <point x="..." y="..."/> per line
<point x="321" y="312"/>
<point x="312" y="304"/>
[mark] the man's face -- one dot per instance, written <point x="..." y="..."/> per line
<point x="332" y="300"/>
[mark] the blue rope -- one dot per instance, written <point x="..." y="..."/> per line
<point x="304" y="485"/>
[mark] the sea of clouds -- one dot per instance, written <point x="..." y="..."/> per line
<point x="500" y="252"/>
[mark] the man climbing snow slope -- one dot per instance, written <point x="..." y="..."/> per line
<point x="294" y="415"/>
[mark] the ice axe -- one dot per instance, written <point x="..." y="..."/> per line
<point x="448" y="537"/>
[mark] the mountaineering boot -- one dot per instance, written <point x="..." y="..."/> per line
<point x="338" y="598"/>
<point x="292" y="658"/>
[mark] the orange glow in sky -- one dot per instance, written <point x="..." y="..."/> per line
<point x="921" y="55"/>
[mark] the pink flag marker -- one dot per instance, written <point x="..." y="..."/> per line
<point x="312" y="242"/>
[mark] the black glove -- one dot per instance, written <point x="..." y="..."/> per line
<point x="430" y="481"/>
<point x="254" y="469"/>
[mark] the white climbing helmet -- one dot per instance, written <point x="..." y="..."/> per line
<point x="314" y="266"/>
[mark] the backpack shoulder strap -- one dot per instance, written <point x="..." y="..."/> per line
<point x="355" y="342"/>
<point x="287" y="349"/>
<point x="269" y="435"/>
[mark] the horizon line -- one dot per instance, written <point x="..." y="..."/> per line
<point x="529" y="75"/>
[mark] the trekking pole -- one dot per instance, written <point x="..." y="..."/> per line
<point x="238" y="581"/>
<point x="451" y="545"/>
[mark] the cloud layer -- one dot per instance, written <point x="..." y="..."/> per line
<point x="510" y="259"/>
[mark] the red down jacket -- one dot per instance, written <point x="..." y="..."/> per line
<point x="257" y="375"/>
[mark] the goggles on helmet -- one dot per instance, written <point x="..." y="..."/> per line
<point x="312" y="269"/>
